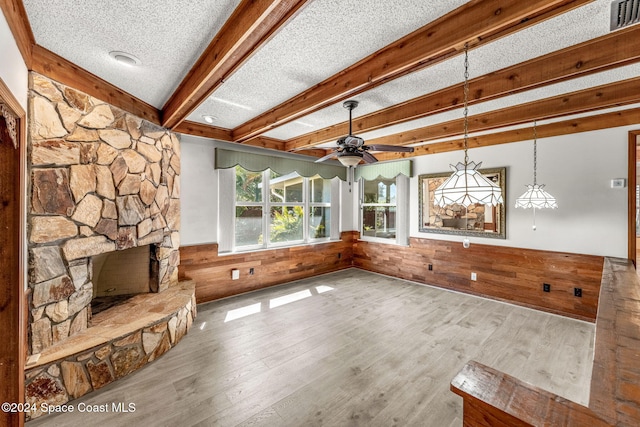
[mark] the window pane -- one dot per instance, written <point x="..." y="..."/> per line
<point x="286" y="223"/>
<point x="380" y="191"/>
<point x="320" y="190"/>
<point x="379" y="221"/>
<point x="319" y="222"/>
<point x="285" y="188"/>
<point x="248" y="225"/>
<point x="248" y="185"/>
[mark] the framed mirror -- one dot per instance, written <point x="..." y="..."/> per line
<point x="477" y="220"/>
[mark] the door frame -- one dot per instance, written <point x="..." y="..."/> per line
<point x="631" y="204"/>
<point x="14" y="348"/>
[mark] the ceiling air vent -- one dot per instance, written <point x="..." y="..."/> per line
<point x="624" y="13"/>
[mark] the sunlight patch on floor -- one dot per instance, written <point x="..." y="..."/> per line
<point x="243" y="312"/>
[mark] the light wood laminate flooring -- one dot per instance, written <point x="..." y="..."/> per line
<point x="351" y="348"/>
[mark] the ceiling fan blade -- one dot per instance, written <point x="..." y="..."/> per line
<point x="396" y="148"/>
<point x="327" y="157"/>
<point x="368" y="157"/>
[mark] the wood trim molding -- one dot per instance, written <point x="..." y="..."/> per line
<point x="566" y="127"/>
<point x="631" y="195"/>
<point x="249" y="27"/>
<point x="16" y="17"/>
<point x="610" y="95"/>
<point x="12" y="295"/>
<point x="606" y="52"/>
<point x="59" y="69"/>
<point x="473" y="22"/>
<point x="10" y="101"/>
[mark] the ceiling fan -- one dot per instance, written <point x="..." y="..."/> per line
<point x="351" y="149"/>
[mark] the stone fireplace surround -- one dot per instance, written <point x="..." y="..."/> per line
<point x="101" y="180"/>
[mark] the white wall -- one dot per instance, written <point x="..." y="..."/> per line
<point x="577" y="169"/>
<point x="198" y="191"/>
<point x="13" y="71"/>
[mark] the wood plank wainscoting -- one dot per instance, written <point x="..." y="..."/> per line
<point x="507" y="274"/>
<point x="513" y="275"/>
<point x="212" y="271"/>
<point x="492" y="398"/>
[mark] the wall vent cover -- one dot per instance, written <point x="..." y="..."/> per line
<point x="624" y="13"/>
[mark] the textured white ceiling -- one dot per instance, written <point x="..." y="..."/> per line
<point x="549" y="36"/>
<point x="167" y="36"/>
<point x="325" y="37"/>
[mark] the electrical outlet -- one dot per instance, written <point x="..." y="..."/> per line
<point x="546" y="287"/>
<point x="430" y="267"/>
<point x="474" y="277"/>
<point x="577" y="292"/>
<point x="251" y="271"/>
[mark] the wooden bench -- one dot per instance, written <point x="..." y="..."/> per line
<point x="493" y="398"/>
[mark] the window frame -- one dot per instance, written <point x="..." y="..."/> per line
<point x="401" y="206"/>
<point x="267" y="204"/>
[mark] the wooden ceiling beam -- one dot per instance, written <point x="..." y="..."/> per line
<point x="59" y="69"/>
<point x="250" y="26"/>
<point x="471" y="22"/>
<point x="204" y="131"/>
<point x="265" y="142"/>
<point x="16" y="16"/>
<point x="605" y="96"/>
<point x="566" y="127"/>
<point x="222" y="134"/>
<point x="606" y="52"/>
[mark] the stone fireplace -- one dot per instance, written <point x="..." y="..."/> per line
<point x="102" y="182"/>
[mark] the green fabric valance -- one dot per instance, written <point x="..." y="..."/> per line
<point x="283" y="165"/>
<point x="388" y="170"/>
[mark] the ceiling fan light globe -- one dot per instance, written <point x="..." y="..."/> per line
<point x="350" y="160"/>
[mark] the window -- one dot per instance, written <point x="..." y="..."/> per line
<point x="384" y="209"/>
<point x="379" y="208"/>
<point x="271" y="209"/>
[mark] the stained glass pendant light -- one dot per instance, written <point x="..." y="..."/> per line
<point x="466" y="185"/>
<point x="536" y="197"/>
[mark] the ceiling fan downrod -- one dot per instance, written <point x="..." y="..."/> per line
<point x="350" y="105"/>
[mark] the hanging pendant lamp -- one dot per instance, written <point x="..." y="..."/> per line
<point x="466" y="185"/>
<point x="536" y="197"/>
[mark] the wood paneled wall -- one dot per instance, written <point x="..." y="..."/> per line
<point x="507" y="274"/>
<point x="504" y="273"/>
<point x="212" y="272"/>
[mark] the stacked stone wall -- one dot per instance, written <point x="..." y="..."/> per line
<point x="101" y="180"/>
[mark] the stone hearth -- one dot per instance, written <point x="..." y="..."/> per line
<point x="119" y="342"/>
<point x="102" y="180"/>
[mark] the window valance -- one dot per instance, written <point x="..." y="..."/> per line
<point x="281" y="164"/>
<point x="388" y="170"/>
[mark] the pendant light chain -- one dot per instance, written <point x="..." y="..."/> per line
<point x="535" y="153"/>
<point x="467" y="185"/>
<point x="466" y="102"/>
